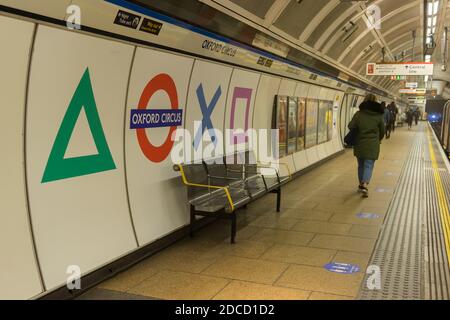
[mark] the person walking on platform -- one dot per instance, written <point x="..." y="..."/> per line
<point x="369" y="98"/>
<point x="409" y="118"/>
<point x="416" y="116"/>
<point x="387" y="119"/>
<point x="368" y="123"/>
<point x="394" y="112"/>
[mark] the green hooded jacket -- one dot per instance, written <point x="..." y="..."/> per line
<point x="370" y="127"/>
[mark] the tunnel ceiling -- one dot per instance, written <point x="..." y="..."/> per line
<point x="339" y="30"/>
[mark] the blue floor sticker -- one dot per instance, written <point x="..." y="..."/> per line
<point x="381" y="190"/>
<point x="367" y="215"/>
<point x="344" y="268"/>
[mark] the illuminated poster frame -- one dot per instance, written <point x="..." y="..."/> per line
<point x="330" y="120"/>
<point x="312" y="117"/>
<point x="279" y="121"/>
<point x="322" y="124"/>
<point x="292" y="125"/>
<point x="301" y="123"/>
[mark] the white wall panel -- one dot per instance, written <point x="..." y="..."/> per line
<point x="311" y="155"/>
<point x="301" y="90"/>
<point x="240" y="106"/>
<point x="321" y="151"/>
<point x="51" y="8"/>
<point x="289" y="160"/>
<point x="300" y="160"/>
<point x="324" y="93"/>
<point x="78" y="205"/>
<point x="157" y="196"/>
<point x="337" y="106"/>
<point x="206" y="105"/>
<point x="287" y="87"/>
<point x="264" y="104"/>
<point x="313" y="92"/>
<point x="19" y="277"/>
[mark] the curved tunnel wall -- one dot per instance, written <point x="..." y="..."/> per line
<point x="79" y="187"/>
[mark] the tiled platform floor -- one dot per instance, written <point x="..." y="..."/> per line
<point x="279" y="256"/>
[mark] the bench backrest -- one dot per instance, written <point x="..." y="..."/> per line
<point x="195" y="173"/>
<point x="220" y="171"/>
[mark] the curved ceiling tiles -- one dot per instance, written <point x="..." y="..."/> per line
<point x="318" y="25"/>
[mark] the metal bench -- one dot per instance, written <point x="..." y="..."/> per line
<point x="219" y="187"/>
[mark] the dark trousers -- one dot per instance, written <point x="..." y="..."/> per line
<point x="388" y="130"/>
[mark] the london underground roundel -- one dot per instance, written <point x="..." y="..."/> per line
<point x="160" y="82"/>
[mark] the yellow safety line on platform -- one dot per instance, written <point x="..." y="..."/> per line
<point x="443" y="203"/>
<point x="186" y="182"/>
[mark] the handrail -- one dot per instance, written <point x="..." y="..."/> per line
<point x="186" y="182"/>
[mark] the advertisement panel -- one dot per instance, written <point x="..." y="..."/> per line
<point x="292" y="125"/>
<point x="75" y="159"/>
<point x="159" y="81"/>
<point x="312" y="108"/>
<point x="239" y="109"/>
<point x="322" y="127"/>
<point x="330" y="120"/>
<point x="280" y="123"/>
<point x="301" y="123"/>
<point x="206" y="107"/>
<point x="19" y="275"/>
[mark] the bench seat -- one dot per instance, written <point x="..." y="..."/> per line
<point x="219" y="187"/>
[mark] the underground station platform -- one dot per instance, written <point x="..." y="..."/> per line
<point x="201" y="154"/>
<point x="326" y="243"/>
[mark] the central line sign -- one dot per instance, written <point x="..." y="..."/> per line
<point x="400" y="69"/>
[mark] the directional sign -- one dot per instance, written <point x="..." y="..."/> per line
<point x="412" y="85"/>
<point x="343" y="268"/>
<point x="417" y="100"/>
<point x="400" y="69"/>
<point x="415" y="91"/>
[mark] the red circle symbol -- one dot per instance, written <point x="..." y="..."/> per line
<point x="160" y="82"/>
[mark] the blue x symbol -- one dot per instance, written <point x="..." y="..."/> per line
<point x="207" y="111"/>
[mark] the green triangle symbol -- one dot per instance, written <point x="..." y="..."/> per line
<point x="59" y="168"/>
